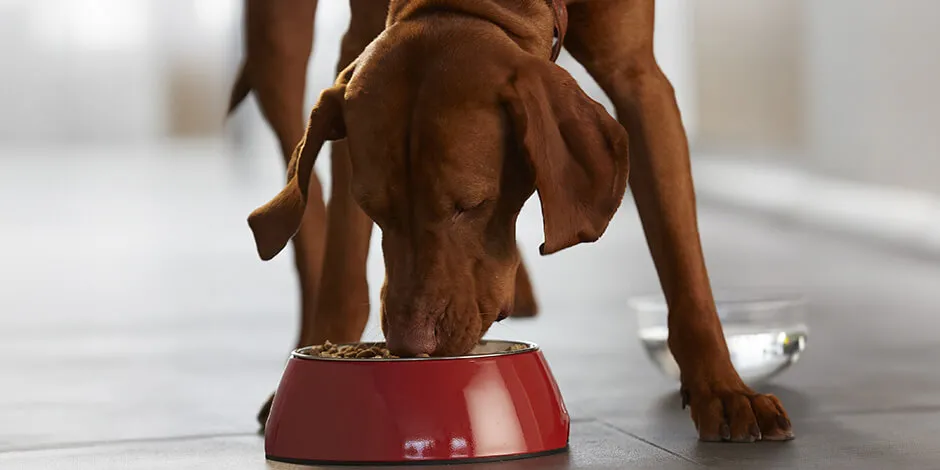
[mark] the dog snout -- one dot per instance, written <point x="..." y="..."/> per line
<point x="410" y="321"/>
<point x="410" y="342"/>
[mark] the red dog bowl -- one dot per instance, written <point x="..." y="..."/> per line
<point x="490" y="405"/>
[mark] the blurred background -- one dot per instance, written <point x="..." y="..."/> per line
<point x="124" y="192"/>
<point x="830" y="102"/>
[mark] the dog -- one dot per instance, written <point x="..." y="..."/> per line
<point x="445" y="117"/>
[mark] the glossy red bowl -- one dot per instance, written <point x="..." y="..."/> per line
<point x="490" y="405"/>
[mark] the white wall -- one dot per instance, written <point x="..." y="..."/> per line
<point x="845" y="89"/>
<point x="82" y="71"/>
<point x="873" y="77"/>
<point x="823" y="112"/>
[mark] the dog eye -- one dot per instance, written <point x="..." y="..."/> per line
<point x="461" y="208"/>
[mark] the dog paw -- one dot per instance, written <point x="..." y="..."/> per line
<point x="264" y="412"/>
<point x="736" y="414"/>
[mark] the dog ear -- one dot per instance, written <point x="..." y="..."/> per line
<point x="576" y="150"/>
<point x="276" y="222"/>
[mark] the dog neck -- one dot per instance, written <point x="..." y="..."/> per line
<point x="538" y="26"/>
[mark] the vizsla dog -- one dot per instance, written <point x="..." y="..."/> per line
<point x="446" y="116"/>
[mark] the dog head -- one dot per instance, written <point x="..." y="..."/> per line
<point x="443" y="164"/>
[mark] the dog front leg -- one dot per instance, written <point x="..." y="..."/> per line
<point x="341" y="301"/>
<point x="614" y="41"/>
<point x="278" y="44"/>
<point x="343" y="307"/>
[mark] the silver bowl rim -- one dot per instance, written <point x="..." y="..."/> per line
<point x="530" y="347"/>
<point x="753" y="298"/>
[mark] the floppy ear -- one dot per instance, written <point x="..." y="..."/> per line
<point x="577" y="151"/>
<point x="276" y="222"/>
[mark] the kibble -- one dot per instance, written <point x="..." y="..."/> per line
<point x="351" y="351"/>
<point x="369" y="351"/>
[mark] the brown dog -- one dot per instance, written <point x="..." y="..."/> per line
<point x="447" y="116"/>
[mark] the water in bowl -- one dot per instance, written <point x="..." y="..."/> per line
<point x="758" y="353"/>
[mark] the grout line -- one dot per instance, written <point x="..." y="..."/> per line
<point x="650" y="443"/>
<point x="886" y="411"/>
<point x="105" y="443"/>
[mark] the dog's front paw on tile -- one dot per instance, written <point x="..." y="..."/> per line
<point x="264" y="412"/>
<point x="736" y="414"/>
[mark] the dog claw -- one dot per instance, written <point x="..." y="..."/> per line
<point x="725" y="432"/>
<point x="685" y="398"/>
<point x="755" y="432"/>
<point x="779" y="436"/>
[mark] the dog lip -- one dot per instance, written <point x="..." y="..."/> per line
<point x="500" y="314"/>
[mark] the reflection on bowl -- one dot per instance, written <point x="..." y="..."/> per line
<point x="765" y="333"/>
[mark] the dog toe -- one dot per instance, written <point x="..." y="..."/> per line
<point x="774" y="423"/>
<point x="744" y="427"/>
<point x="738" y="416"/>
<point x="708" y="414"/>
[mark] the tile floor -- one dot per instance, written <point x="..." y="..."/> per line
<point x="138" y="330"/>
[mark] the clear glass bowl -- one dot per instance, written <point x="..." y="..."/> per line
<point x="765" y="332"/>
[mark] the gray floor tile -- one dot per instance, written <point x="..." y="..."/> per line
<point x="135" y="308"/>
<point x="862" y="441"/>
<point x="593" y="446"/>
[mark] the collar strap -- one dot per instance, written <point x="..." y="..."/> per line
<point x="560" y="12"/>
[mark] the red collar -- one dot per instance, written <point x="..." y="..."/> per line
<point x="560" y="12"/>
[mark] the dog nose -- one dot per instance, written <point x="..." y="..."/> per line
<point x="411" y="342"/>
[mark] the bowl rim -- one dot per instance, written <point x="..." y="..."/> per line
<point x="753" y="299"/>
<point x="300" y="353"/>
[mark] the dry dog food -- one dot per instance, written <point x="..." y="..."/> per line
<point x="368" y="351"/>
<point x="352" y="351"/>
